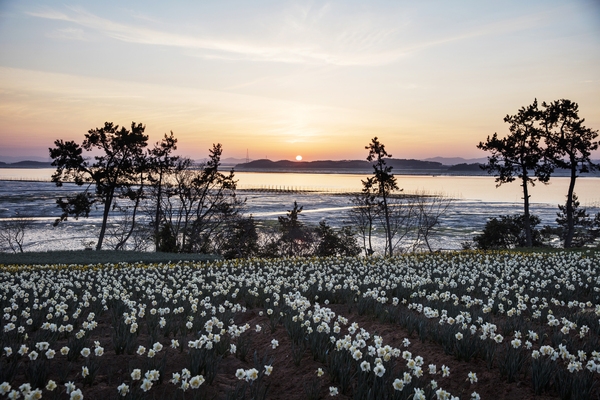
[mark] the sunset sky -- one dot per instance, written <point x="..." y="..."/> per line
<point x="285" y="78"/>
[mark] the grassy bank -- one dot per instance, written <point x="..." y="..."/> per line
<point x="84" y="257"/>
<point x="97" y="257"/>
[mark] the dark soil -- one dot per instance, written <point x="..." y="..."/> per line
<point x="287" y="380"/>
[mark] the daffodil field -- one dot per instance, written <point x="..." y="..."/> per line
<point x="465" y="325"/>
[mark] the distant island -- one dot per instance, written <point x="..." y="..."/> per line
<point x="406" y="166"/>
<point x="400" y="166"/>
<point x="328" y="166"/>
<point x="26" y="164"/>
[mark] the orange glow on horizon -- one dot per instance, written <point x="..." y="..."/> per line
<point x="334" y="75"/>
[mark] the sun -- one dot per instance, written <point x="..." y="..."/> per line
<point x="298" y="158"/>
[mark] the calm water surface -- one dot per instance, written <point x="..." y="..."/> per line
<point x="482" y="188"/>
<point x="476" y="200"/>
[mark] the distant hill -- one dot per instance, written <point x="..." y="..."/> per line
<point x="26" y="164"/>
<point x="414" y="164"/>
<point x="329" y="165"/>
<point x="265" y="164"/>
<point x="233" y="161"/>
<point x="13" y="159"/>
<point x="476" y="167"/>
<point x="457" y="160"/>
<point x="229" y="161"/>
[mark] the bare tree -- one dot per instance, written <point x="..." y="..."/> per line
<point x="428" y="209"/>
<point x="12" y="232"/>
<point x="268" y="240"/>
<point x="363" y="216"/>
<point x="401" y="222"/>
<point x="128" y="203"/>
<point x="368" y="217"/>
<point x="124" y="233"/>
<point x="197" y="203"/>
<point x="413" y="220"/>
<point x="162" y="164"/>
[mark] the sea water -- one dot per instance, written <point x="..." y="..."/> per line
<point x="324" y="197"/>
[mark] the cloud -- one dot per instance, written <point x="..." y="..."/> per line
<point x="68" y="34"/>
<point x="310" y="35"/>
<point x="350" y="46"/>
<point x="49" y="14"/>
<point x="135" y="34"/>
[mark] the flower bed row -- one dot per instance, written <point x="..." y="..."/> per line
<point x="217" y="329"/>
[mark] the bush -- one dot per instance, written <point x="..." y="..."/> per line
<point x="507" y="233"/>
<point x="587" y="229"/>
<point x="332" y="243"/>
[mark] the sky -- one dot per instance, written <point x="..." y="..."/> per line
<point x="277" y="79"/>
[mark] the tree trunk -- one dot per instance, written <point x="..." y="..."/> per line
<point x="526" y="220"/>
<point x="387" y="223"/>
<point x="120" y="245"/>
<point x="157" y="214"/>
<point x="570" y="221"/>
<point x="370" y="251"/>
<point x="107" y="204"/>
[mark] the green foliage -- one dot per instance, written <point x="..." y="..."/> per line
<point x="312" y="389"/>
<point x="585" y="228"/>
<point x="331" y="243"/>
<point x="540" y="141"/>
<point x="512" y="362"/>
<point x="166" y="241"/>
<point x="517" y="154"/>
<point x="75" y="206"/>
<point x="241" y="239"/>
<point x="188" y="207"/>
<point x="507" y="232"/>
<point x="569" y="146"/>
<point x="295" y="238"/>
<point x="542" y="372"/>
<point x="244" y="343"/>
<point x="120" y="161"/>
<point x="569" y="142"/>
<point x="382" y="184"/>
<point x="520" y="152"/>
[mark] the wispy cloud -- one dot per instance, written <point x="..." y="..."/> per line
<point x="349" y="47"/>
<point x="68" y="34"/>
<point x="307" y="35"/>
<point x="217" y="48"/>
